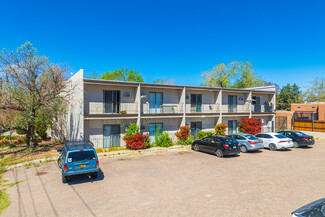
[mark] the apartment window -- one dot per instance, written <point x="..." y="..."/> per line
<point x="112" y="101"/>
<point x="196" y="102"/>
<point x="111" y="136"/>
<point x="155" y="102"/>
<point x="152" y="130"/>
<point x="232" y="127"/>
<point x="195" y="127"/>
<point x="232" y="103"/>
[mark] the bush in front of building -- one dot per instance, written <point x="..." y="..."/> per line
<point x="162" y="139"/>
<point x="202" y="134"/>
<point x="250" y="125"/>
<point x="138" y="141"/>
<point x="220" y="129"/>
<point x="184" y="135"/>
<point x="132" y="129"/>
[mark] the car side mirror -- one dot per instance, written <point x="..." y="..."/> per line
<point x="59" y="150"/>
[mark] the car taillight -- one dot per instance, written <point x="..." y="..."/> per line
<point x="97" y="164"/>
<point x="282" y="141"/>
<point x="252" y="142"/>
<point x="65" y="167"/>
<point x="225" y="145"/>
<point x="81" y="150"/>
<point x="305" y="139"/>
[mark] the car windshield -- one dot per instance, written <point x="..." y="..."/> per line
<point x="81" y="156"/>
<point x="250" y="137"/>
<point x="280" y="136"/>
<point x="230" y="141"/>
<point x="300" y="133"/>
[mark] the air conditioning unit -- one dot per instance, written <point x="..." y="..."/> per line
<point x="127" y="95"/>
<point x="143" y="96"/>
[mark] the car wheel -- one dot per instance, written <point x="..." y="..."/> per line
<point x="196" y="147"/>
<point x="94" y="175"/>
<point x="272" y="147"/>
<point x="219" y="153"/>
<point x="64" y="179"/>
<point x="243" y="149"/>
<point x="295" y="144"/>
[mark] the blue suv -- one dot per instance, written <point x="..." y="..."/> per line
<point x="78" y="158"/>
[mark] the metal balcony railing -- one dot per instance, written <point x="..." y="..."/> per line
<point x="123" y="108"/>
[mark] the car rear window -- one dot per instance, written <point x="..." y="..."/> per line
<point x="81" y="156"/>
<point x="230" y="141"/>
<point x="250" y="137"/>
<point x="300" y="133"/>
<point x="280" y="136"/>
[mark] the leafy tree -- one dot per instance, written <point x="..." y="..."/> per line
<point x="316" y="92"/>
<point x="165" y="80"/>
<point x="123" y="74"/>
<point x="220" y="75"/>
<point x="247" y="76"/>
<point x="32" y="87"/>
<point x="288" y="94"/>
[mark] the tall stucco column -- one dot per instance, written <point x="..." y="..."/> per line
<point x="183" y="101"/>
<point x="219" y="101"/>
<point x="138" y="99"/>
<point x="249" y="103"/>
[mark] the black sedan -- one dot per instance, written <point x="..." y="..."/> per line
<point x="218" y="145"/>
<point x="299" y="138"/>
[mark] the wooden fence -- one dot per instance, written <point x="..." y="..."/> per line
<point x="316" y="126"/>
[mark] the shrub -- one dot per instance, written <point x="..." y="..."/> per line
<point x="138" y="141"/>
<point x="5" y="141"/>
<point x="165" y="140"/>
<point x="20" y="140"/>
<point x="202" y="134"/>
<point x="250" y="125"/>
<point x="132" y="129"/>
<point x="220" y="129"/>
<point x="183" y="133"/>
<point x="186" y="142"/>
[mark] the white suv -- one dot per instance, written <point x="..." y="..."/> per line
<point x="275" y="141"/>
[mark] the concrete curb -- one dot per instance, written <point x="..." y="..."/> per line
<point x="112" y="154"/>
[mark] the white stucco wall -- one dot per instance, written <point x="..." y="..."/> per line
<point x="75" y="110"/>
<point x="242" y="105"/>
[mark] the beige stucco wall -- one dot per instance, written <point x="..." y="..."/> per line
<point x="242" y="105"/>
<point x="209" y="101"/>
<point x="94" y="98"/>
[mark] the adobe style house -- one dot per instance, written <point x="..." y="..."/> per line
<point x="305" y="110"/>
<point x="100" y="110"/>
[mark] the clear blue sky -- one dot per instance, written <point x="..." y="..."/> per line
<point x="284" y="40"/>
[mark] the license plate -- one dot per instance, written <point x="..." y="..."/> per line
<point x="82" y="165"/>
<point x="309" y="139"/>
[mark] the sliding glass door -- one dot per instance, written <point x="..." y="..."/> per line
<point x="111" y="101"/>
<point x="111" y="136"/>
<point x="155" y="102"/>
<point x="196" y="102"/>
<point x="232" y="103"/>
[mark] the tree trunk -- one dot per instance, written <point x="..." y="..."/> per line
<point x="33" y="137"/>
<point x="28" y="137"/>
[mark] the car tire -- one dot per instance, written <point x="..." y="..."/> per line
<point x="196" y="147"/>
<point x="295" y="144"/>
<point x="64" y="179"/>
<point x="219" y="153"/>
<point x="243" y="149"/>
<point x="272" y="147"/>
<point x="94" y="175"/>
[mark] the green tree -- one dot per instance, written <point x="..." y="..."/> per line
<point x="123" y="74"/>
<point x="288" y="94"/>
<point x="247" y="76"/>
<point x="32" y="87"/>
<point x="220" y="75"/>
<point x="165" y="80"/>
<point x="316" y="92"/>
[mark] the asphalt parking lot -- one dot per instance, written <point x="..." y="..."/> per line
<point x="185" y="183"/>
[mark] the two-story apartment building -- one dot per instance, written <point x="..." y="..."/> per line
<point x="100" y="110"/>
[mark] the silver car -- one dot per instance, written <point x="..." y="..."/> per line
<point x="248" y="142"/>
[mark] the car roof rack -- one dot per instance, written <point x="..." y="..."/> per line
<point x="70" y="145"/>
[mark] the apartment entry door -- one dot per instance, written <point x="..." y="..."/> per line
<point x="111" y="136"/>
<point x="232" y="127"/>
<point x="195" y="127"/>
<point x="257" y="104"/>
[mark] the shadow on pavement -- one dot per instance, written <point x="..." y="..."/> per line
<point x="84" y="178"/>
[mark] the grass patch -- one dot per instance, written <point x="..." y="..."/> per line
<point x="13" y="184"/>
<point x="99" y="150"/>
<point x="4" y="200"/>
